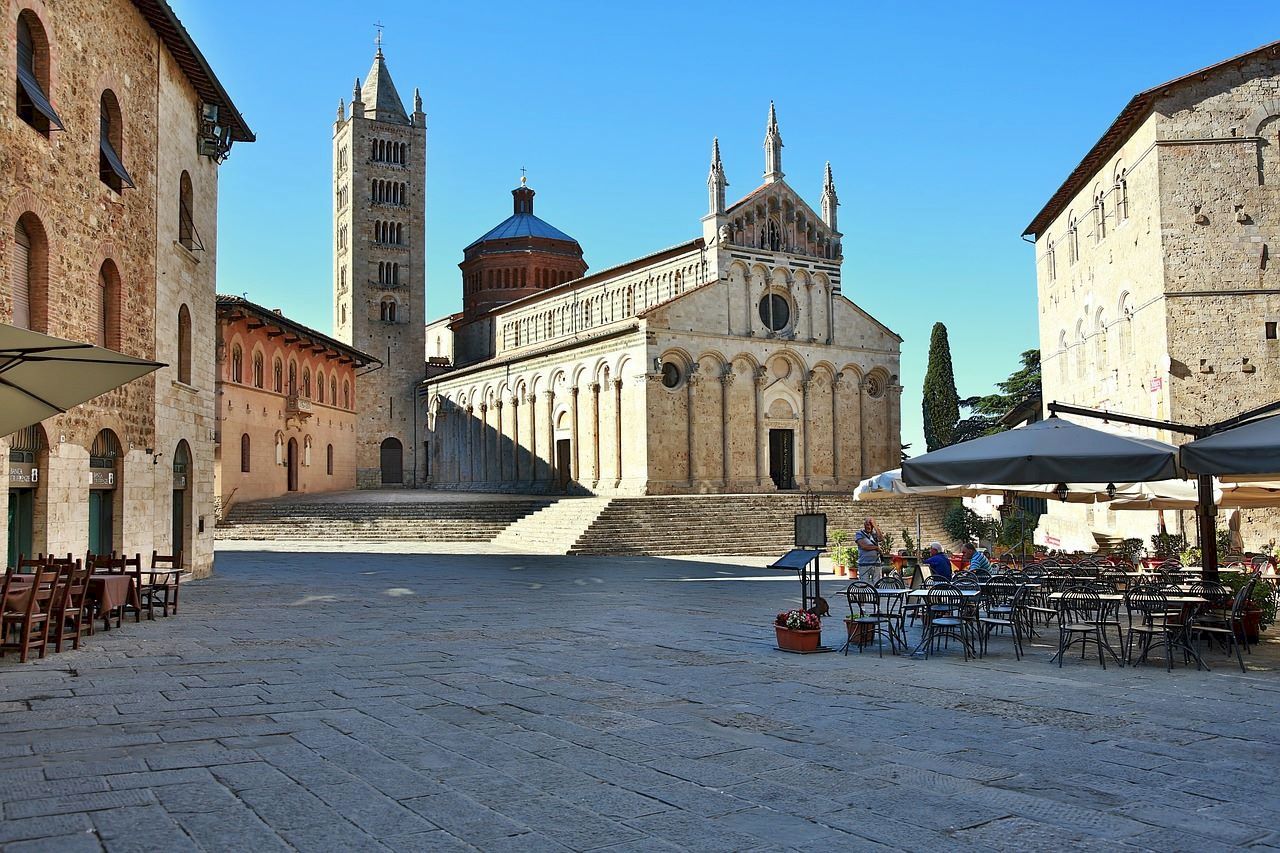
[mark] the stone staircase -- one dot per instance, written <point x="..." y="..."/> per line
<point x="554" y="529"/>
<point x="476" y="520"/>
<point x="743" y="525"/>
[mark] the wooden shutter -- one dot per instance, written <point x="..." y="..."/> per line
<point x="22" y="278"/>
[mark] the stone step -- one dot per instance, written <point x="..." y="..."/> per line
<point x="554" y="529"/>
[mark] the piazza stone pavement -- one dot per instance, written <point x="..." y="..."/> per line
<point x="413" y="702"/>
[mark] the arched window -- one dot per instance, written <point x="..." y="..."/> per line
<point x="1125" y="327"/>
<point x="328" y="460"/>
<point x="29" y="271"/>
<point x="108" y="329"/>
<point x="1099" y="216"/>
<point x="186" y="220"/>
<point x="1051" y="261"/>
<point x="1122" y="195"/>
<point x="1062" y="355"/>
<point x="395" y="274"/>
<point x="293" y="378"/>
<point x="1073" y="243"/>
<point x="277" y="370"/>
<point x="333" y="391"/>
<point x="1100" y="342"/>
<point x="33" y="75"/>
<point x="184" y="345"/>
<point x="1081" y="355"/>
<point x="237" y="364"/>
<point x="257" y="370"/>
<point x="346" y="394"/>
<point x="244" y="453"/>
<point x="111" y="143"/>
<point x="320" y="386"/>
<point x="388" y="310"/>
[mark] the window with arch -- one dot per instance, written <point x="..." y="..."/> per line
<point x="346" y="394"/>
<point x="1073" y="244"/>
<point x="257" y="370"/>
<point x="333" y="391"/>
<point x="293" y="378"/>
<point x="1100" y="341"/>
<point x="108" y="295"/>
<point x="775" y="235"/>
<point x="184" y="345"/>
<point x="244" y="453"/>
<point x="237" y="364"/>
<point x="187" y="236"/>
<point x="306" y="382"/>
<point x="111" y="169"/>
<point x="1062" y="355"/>
<point x="29" y="272"/>
<point x="33" y="103"/>
<point x="1051" y="261"/>
<point x="1122" y="195"/>
<point x="1099" y="216"/>
<point x="1081" y="355"/>
<point x="387" y="312"/>
<point x="1124" y="327"/>
<point x="320" y="386"/>
<point x="277" y="370"/>
<point x="328" y="460"/>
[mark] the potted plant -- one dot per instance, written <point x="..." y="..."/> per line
<point x="840" y="551"/>
<point x="1129" y="550"/>
<point x="1166" y="546"/>
<point x="1259" y="611"/>
<point x="798" y="631"/>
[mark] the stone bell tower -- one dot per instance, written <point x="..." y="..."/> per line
<point x="379" y="270"/>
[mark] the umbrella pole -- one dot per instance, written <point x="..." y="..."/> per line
<point x="1205" y="517"/>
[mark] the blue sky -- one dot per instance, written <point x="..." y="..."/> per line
<point x="947" y="126"/>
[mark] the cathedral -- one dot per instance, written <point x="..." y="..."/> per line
<point x="732" y="362"/>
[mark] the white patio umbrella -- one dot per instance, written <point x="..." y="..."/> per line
<point x="42" y="376"/>
<point x="890" y="484"/>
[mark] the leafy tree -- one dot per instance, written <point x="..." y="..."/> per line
<point x="985" y="412"/>
<point x="941" y="402"/>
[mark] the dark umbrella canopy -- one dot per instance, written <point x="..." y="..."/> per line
<point x="1253" y="448"/>
<point x="1048" y="451"/>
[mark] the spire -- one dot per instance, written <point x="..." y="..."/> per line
<point x="342" y="110"/>
<point x="357" y="105"/>
<point x="829" y="200"/>
<point x="380" y="94"/>
<point x="772" y="149"/>
<point x="417" y="100"/>
<point x="716" y="181"/>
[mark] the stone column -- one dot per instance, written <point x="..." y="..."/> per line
<point x="617" y="432"/>
<point x="551" y="435"/>
<point x="837" y="385"/>
<point x="804" y="421"/>
<point x="438" y="427"/>
<point x="761" y="376"/>
<point x="573" y="396"/>
<point x="689" y="384"/>
<point x="483" y="426"/>
<point x="595" y="434"/>
<point x="862" y="432"/>
<point x="515" y="439"/>
<point x="531" y="400"/>
<point x="831" y="312"/>
<point x="469" y="444"/>
<point x="497" y="447"/>
<point x="749" y="329"/>
<point x="893" y="442"/>
<point x="808" y="295"/>
<point x="726" y="379"/>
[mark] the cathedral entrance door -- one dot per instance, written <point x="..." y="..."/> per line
<point x="782" y="458"/>
<point x="564" y="463"/>
<point x="392" y="459"/>
<point x="293" y="464"/>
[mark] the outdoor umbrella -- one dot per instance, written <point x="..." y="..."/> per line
<point x="1249" y="451"/>
<point x="1049" y="451"/>
<point x="41" y="376"/>
<point x="890" y="484"/>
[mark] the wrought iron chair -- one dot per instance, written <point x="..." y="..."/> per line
<point x="1228" y="628"/>
<point x="1080" y="620"/>
<point x="945" y="620"/>
<point x="1003" y="610"/>
<point x="1152" y="626"/>
<point x="866" y="620"/>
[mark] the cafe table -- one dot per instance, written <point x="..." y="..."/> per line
<point x="1182" y="638"/>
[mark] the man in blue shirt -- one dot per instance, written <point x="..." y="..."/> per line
<point x="974" y="559"/>
<point x="868" y="542"/>
<point x="938" y="562"/>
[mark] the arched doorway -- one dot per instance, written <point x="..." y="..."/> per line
<point x="392" y="462"/>
<point x="104" y="487"/>
<point x="181" y="530"/>
<point x="26" y="449"/>
<point x="291" y="460"/>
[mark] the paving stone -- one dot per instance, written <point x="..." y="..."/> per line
<point x="77" y="803"/>
<point x="45" y="826"/>
<point x="231" y="829"/>
<point x="82" y="843"/>
<point x="141" y="829"/>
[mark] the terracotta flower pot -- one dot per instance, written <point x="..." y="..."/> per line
<point x="797" y="641"/>
<point x="841" y="571"/>
<point x="860" y="633"/>
<point x="1252" y="618"/>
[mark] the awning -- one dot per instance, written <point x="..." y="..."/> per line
<point x="113" y="162"/>
<point x="31" y="88"/>
<point x="1249" y="451"/>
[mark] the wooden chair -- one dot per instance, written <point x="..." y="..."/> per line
<point x="28" y="628"/>
<point x="166" y="574"/>
<point x="68" y="621"/>
<point x="28" y="565"/>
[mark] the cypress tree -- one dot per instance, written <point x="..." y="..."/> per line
<point x="941" y="403"/>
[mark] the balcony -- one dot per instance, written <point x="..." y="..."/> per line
<point x="297" y="406"/>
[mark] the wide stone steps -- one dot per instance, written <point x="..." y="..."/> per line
<point x="448" y="521"/>
<point x="554" y="529"/>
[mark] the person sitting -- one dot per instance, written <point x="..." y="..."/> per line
<point x="938" y="562"/>
<point x="973" y="559"/>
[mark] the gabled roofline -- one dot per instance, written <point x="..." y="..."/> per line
<point x="760" y="189"/>
<point x="193" y="64"/>
<point x="228" y="303"/>
<point x="1134" y="113"/>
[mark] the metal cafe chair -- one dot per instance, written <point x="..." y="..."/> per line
<point x="1081" y="621"/>
<point x="865" y="613"/>
<point x="945" y="620"/>
<point x="1227" y="628"/>
<point x="1004" y="610"/>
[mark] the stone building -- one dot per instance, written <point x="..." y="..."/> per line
<point x="1158" y="292"/>
<point x="286" y="406"/>
<point x="729" y="363"/>
<point x="379" y="269"/>
<point x="109" y="154"/>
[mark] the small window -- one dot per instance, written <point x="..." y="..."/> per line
<point x="244" y="453"/>
<point x="278" y="377"/>
<point x="328" y="460"/>
<point x="257" y="370"/>
<point x="33" y="75"/>
<point x="333" y="391"/>
<point x="184" y="345"/>
<point x="671" y="374"/>
<point x="1269" y="330"/>
<point x="111" y="144"/>
<point x="346" y="394"/>
<point x="237" y="364"/>
<point x="187" y="235"/>
<point x="775" y="312"/>
<point x="306" y="382"/>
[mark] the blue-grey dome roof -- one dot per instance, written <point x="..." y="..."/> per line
<point x="523" y="225"/>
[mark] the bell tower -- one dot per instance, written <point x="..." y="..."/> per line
<point x="379" y="270"/>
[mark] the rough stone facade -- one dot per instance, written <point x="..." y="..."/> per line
<point x="286" y="406"/>
<point x="120" y="260"/>
<point x="731" y="363"/>
<point x="379" y="174"/>
<point x="1158" y="293"/>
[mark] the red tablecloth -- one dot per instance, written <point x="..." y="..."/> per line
<point x="109" y="591"/>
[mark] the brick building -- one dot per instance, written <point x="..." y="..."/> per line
<point x="286" y="406"/>
<point x="1158" y="291"/>
<point x="109" y="154"/>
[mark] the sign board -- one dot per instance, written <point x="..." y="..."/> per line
<point x="102" y="479"/>
<point x="811" y="530"/>
<point x="23" y="474"/>
<point x="179" y="481"/>
<point x="1156" y="384"/>
<point x="1053" y="541"/>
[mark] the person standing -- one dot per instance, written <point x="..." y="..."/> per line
<point x="869" y="559"/>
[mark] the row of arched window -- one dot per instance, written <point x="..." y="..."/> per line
<point x="291" y="385"/>
<point x="387" y="311"/>
<point x="343" y="196"/>
<point x="246" y="455"/>
<point x="388" y="273"/>
<point x="1098" y="330"/>
<point x="386" y="151"/>
<point x="515" y="277"/>
<point x="388" y="233"/>
<point x="1116" y="198"/>
<point x="388" y="192"/>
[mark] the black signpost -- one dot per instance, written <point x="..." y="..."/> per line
<point x="811" y="538"/>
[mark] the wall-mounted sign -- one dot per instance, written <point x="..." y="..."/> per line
<point x="23" y="474"/>
<point x="101" y="479"/>
<point x="1156" y="384"/>
<point x="179" y="481"/>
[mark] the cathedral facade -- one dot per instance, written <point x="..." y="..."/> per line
<point x="729" y="363"/>
<point x="379" y="261"/>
